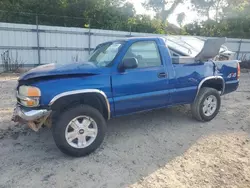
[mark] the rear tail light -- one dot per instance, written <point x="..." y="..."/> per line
<point x="238" y="71"/>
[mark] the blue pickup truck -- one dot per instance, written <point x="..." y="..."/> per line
<point x="122" y="77"/>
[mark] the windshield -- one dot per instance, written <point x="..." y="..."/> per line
<point x="105" y="53"/>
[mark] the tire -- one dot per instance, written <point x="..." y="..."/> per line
<point x="199" y="103"/>
<point x="72" y="118"/>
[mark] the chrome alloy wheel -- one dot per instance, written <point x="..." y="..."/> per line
<point x="81" y="132"/>
<point x="209" y="105"/>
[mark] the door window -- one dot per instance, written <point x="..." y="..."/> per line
<point x="146" y="52"/>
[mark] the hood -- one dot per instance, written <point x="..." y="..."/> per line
<point x="84" y="68"/>
<point x="210" y="49"/>
<point x="199" y="48"/>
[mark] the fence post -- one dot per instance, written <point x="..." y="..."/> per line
<point x="89" y="38"/>
<point x="89" y="41"/>
<point x="38" y="41"/>
<point x="238" y="52"/>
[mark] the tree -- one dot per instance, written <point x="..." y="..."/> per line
<point x="180" y="18"/>
<point x="163" y="8"/>
<point x="99" y="14"/>
<point x="205" y="7"/>
<point x="235" y="8"/>
<point x="234" y="23"/>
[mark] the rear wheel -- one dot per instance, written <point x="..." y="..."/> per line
<point x="79" y="131"/>
<point x="206" y="105"/>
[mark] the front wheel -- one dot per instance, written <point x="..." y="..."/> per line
<point x="78" y="131"/>
<point x="206" y="105"/>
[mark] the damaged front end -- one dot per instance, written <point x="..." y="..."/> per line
<point x="34" y="118"/>
<point x="28" y="109"/>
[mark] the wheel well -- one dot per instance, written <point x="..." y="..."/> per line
<point x="94" y="100"/>
<point x="214" y="83"/>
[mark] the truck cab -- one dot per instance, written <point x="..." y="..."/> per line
<point x="121" y="77"/>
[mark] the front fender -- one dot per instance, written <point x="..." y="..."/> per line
<point x="77" y="95"/>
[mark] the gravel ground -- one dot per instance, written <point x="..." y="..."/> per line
<point x="163" y="148"/>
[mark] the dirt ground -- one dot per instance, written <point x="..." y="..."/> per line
<point x="163" y="148"/>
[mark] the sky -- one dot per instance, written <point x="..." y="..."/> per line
<point x="190" y="15"/>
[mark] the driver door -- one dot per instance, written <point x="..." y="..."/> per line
<point x="144" y="87"/>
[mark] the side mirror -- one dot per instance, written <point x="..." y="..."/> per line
<point x="128" y="63"/>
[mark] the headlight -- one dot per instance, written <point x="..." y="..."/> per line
<point x="29" y="96"/>
<point x="29" y="91"/>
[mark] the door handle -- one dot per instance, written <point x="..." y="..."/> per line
<point x="162" y="75"/>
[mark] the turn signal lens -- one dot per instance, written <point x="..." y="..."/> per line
<point x="30" y="103"/>
<point x="238" y="72"/>
<point x="34" y="92"/>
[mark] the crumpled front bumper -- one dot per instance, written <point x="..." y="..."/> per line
<point x="29" y="115"/>
<point x="34" y="118"/>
